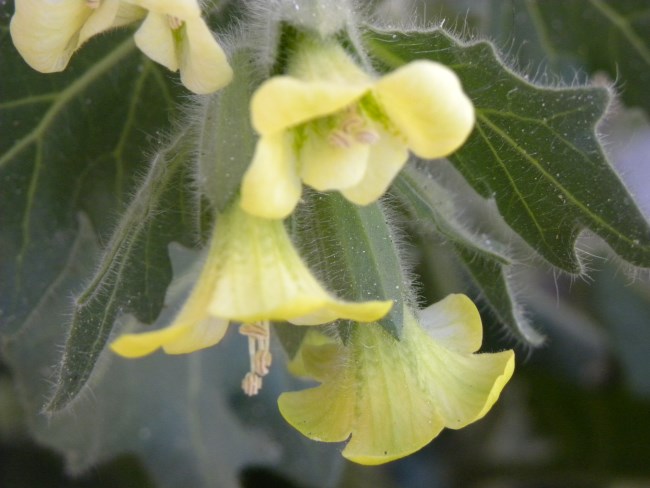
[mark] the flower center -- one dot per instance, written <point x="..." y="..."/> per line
<point x="174" y="22"/>
<point x="93" y="4"/>
<point x="352" y="127"/>
<point x="259" y="335"/>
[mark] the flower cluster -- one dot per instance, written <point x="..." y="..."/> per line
<point x="173" y="33"/>
<point x="334" y="126"/>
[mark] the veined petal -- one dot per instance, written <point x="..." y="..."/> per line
<point x="369" y="394"/>
<point x="454" y="322"/>
<point x="156" y="39"/>
<point x="47" y="33"/>
<point x="183" y="9"/>
<point x="261" y="276"/>
<point x="392" y="397"/>
<point x="464" y="387"/>
<point x="271" y="187"/>
<point x="325" y="166"/>
<point x="283" y="101"/>
<point x="426" y="103"/>
<point x="387" y="156"/>
<point x="203" y="64"/>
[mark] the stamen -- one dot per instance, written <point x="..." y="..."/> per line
<point x="93" y="4"/>
<point x="367" y="136"/>
<point x="260" y="357"/>
<point x="352" y="128"/>
<point x="174" y="22"/>
<point x="339" y="138"/>
<point x="251" y="384"/>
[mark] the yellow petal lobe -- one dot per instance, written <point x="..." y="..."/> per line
<point x="389" y="397"/>
<point x="425" y="101"/>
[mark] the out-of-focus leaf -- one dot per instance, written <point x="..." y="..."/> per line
<point x="70" y="141"/>
<point x="624" y="309"/>
<point x="433" y="209"/>
<point x="352" y="249"/>
<point x="534" y="150"/>
<point x="135" y="269"/>
<point x="184" y="416"/>
<point x="565" y="34"/>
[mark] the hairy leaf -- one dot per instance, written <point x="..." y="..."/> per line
<point x="433" y="209"/>
<point x="352" y="248"/>
<point x="135" y="270"/>
<point x="534" y="150"/>
<point x="565" y="35"/>
<point x="71" y="141"/>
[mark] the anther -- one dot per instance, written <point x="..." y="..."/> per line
<point x="174" y="22"/>
<point x="251" y="384"/>
<point x="259" y="355"/>
<point x="339" y="138"/>
<point x="93" y="4"/>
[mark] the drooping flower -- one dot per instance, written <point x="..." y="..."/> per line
<point x="47" y="33"/>
<point x="175" y="35"/>
<point x="335" y="127"/>
<point x="389" y="397"/>
<point x="252" y="275"/>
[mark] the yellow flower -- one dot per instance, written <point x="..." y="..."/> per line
<point x="331" y="125"/>
<point x="252" y="275"/>
<point x="393" y="397"/>
<point x="47" y="33"/>
<point x="175" y="35"/>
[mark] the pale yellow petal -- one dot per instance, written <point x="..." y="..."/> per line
<point x="271" y="187"/>
<point x="454" y="322"/>
<point x="392" y="397"/>
<point x="334" y="309"/>
<point x="109" y="14"/>
<point x="203" y="64"/>
<point x="463" y="387"/>
<point x="192" y="328"/>
<point x="283" y="102"/>
<point x="182" y="9"/>
<point x="425" y="101"/>
<point x="46" y="33"/>
<point x="262" y="277"/>
<point x="387" y="156"/>
<point x="156" y="39"/>
<point x="326" y="166"/>
<point x="368" y="393"/>
<point x="205" y="333"/>
<point x="144" y="343"/>
<point x="314" y="356"/>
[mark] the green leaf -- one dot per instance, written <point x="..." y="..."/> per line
<point x="353" y="251"/>
<point x="223" y="159"/>
<point x="135" y="270"/>
<point x="434" y="210"/>
<point x="534" y="150"/>
<point x="565" y="35"/>
<point x="71" y="142"/>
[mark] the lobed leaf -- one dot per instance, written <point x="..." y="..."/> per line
<point x="135" y="270"/>
<point x="71" y="142"/>
<point x="433" y="209"/>
<point x="534" y="150"/>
